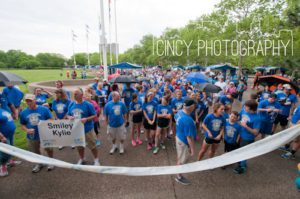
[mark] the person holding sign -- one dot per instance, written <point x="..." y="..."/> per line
<point x="29" y="119"/>
<point x="115" y="117"/>
<point x="84" y="111"/>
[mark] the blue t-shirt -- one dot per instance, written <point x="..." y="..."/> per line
<point x="150" y="108"/>
<point x="41" y="99"/>
<point x="285" y="109"/>
<point x="83" y="110"/>
<point x="141" y="97"/>
<point x="177" y="104"/>
<point x="296" y="115"/>
<point x="265" y="116"/>
<point x="4" y="104"/>
<point x="102" y="94"/>
<point x="14" y="95"/>
<point x="185" y="127"/>
<point x="94" y="86"/>
<point x="253" y="121"/>
<point x="231" y="132"/>
<point x="127" y="94"/>
<point x="214" y="124"/>
<point x="163" y="87"/>
<point x="115" y="111"/>
<point x="225" y="100"/>
<point x="60" y="108"/>
<point x="161" y="109"/>
<point x="7" y="125"/>
<point x="265" y="95"/>
<point x="157" y="97"/>
<point x="135" y="106"/>
<point x="31" y="118"/>
<point x="200" y="107"/>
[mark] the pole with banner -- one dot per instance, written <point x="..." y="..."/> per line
<point x="103" y="40"/>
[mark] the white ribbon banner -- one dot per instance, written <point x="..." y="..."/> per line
<point x="56" y="133"/>
<point x="250" y="151"/>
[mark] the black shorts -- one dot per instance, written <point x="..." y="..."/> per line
<point x="230" y="146"/>
<point x="282" y="119"/>
<point x="211" y="141"/>
<point x="137" y="118"/>
<point x="148" y="126"/>
<point x="163" y="122"/>
<point x="102" y="104"/>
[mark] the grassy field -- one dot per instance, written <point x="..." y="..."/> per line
<point x="34" y="76"/>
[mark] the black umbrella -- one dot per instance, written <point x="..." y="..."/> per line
<point x="208" y="87"/>
<point x="7" y="79"/>
<point x="124" y="79"/>
<point x="143" y="79"/>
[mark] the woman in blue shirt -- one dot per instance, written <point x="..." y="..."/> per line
<point x="149" y="110"/>
<point x="41" y="96"/>
<point x="135" y="108"/>
<point x="213" y="126"/>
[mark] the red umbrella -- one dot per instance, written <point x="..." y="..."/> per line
<point x="113" y="76"/>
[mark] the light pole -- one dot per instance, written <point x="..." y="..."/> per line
<point x="87" y="44"/>
<point x="73" y="40"/>
<point x="116" y="34"/>
<point x="103" y="40"/>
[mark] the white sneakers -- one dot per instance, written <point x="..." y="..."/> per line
<point x="115" y="147"/>
<point x="3" y="170"/>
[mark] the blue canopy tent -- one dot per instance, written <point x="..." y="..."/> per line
<point x="179" y="66"/>
<point x="223" y="68"/>
<point x="125" y="65"/>
<point x="195" y="67"/>
<point x="270" y="70"/>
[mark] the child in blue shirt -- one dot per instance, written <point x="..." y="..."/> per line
<point x="232" y="132"/>
<point x="135" y="108"/>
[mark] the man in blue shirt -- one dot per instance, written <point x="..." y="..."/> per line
<point x="268" y="110"/>
<point x="85" y="112"/>
<point x="14" y="97"/>
<point x="29" y="119"/>
<point x="127" y="95"/>
<point x="115" y="114"/>
<point x="287" y="102"/>
<point x="185" y="136"/>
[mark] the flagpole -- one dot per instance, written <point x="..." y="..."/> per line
<point x="103" y="40"/>
<point x="87" y="44"/>
<point x="109" y="21"/>
<point x="116" y="34"/>
<point x="100" y="51"/>
<point x="74" y="59"/>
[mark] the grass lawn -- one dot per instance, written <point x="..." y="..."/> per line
<point x="34" y="76"/>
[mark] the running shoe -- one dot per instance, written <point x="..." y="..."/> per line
<point x="163" y="146"/>
<point x="113" y="149"/>
<point x="288" y="155"/>
<point x="13" y="163"/>
<point x="149" y="147"/>
<point x="155" y="150"/>
<point x="50" y="167"/>
<point x="133" y="142"/>
<point x="3" y="170"/>
<point x="182" y="180"/>
<point x="37" y="168"/>
<point x="239" y="170"/>
<point x="138" y="141"/>
<point x="121" y="149"/>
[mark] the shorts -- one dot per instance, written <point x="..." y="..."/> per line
<point x="163" y="122"/>
<point x="211" y="141"/>
<point x="35" y="145"/>
<point x="230" y="146"/>
<point x="90" y="139"/>
<point x="137" y="118"/>
<point x="148" y="126"/>
<point x="282" y="119"/>
<point x="102" y="104"/>
<point x="116" y="133"/>
<point x="266" y="128"/>
<point x="182" y="151"/>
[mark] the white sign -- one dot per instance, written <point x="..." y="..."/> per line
<point x="56" y="133"/>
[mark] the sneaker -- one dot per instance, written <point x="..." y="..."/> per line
<point x="50" y="167"/>
<point x="98" y="142"/>
<point x="3" y="170"/>
<point x="162" y="146"/>
<point x="113" y="149"/>
<point x="149" y="147"/>
<point x="60" y="148"/>
<point x="139" y="142"/>
<point x="133" y="142"/>
<point x="288" y="155"/>
<point x="284" y="148"/>
<point x="182" y="180"/>
<point x="73" y="147"/>
<point x="121" y="149"/>
<point x="142" y="131"/>
<point x="239" y="170"/>
<point x="37" y="168"/>
<point x="96" y="163"/>
<point x="81" y="162"/>
<point x="155" y="150"/>
<point x="13" y="163"/>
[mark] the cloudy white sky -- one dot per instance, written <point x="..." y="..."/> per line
<point x="37" y="26"/>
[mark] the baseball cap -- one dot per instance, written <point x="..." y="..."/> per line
<point x="29" y="96"/>
<point x="96" y="78"/>
<point x="287" y="86"/>
<point x="189" y="102"/>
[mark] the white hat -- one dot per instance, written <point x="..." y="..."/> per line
<point x="287" y="86"/>
<point x="29" y="96"/>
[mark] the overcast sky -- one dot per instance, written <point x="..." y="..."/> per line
<point x="37" y="26"/>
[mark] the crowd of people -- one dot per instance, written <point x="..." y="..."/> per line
<point x="165" y="107"/>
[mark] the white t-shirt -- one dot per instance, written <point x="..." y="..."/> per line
<point x="222" y="85"/>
